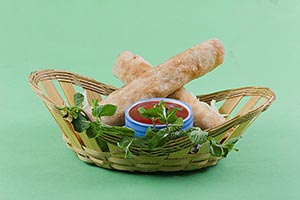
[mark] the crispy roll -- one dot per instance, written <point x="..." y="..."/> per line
<point x="166" y="78"/>
<point x="129" y="66"/>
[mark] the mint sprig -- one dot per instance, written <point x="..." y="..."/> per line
<point x="93" y="129"/>
<point x="222" y="150"/>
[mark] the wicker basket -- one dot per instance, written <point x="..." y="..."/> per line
<point x="54" y="87"/>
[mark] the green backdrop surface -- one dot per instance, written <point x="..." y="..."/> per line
<point x="262" y="45"/>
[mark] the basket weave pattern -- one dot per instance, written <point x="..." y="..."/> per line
<point x="54" y="87"/>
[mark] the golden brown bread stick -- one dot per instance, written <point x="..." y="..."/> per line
<point x="129" y="66"/>
<point x="166" y="78"/>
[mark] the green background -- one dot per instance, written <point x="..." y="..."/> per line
<point x="262" y="45"/>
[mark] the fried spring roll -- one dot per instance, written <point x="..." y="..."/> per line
<point x="129" y="66"/>
<point x="166" y="78"/>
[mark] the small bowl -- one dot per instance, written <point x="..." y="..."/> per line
<point x="136" y="122"/>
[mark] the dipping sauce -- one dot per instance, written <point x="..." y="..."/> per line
<point x="135" y="115"/>
<point x="139" y="124"/>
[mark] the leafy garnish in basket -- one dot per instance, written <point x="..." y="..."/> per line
<point x="93" y="129"/>
<point x="103" y="110"/>
<point x="160" y="112"/>
<point x="173" y="130"/>
<point x="222" y="150"/>
<point x="154" y="138"/>
<point x="197" y="136"/>
<point x="124" y="145"/>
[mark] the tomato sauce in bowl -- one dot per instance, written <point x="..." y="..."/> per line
<point x="134" y="120"/>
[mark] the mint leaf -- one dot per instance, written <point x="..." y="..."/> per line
<point x="151" y="112"/>
<point x="174" y="134"/>
<point x="108" y="110"/>
<point x="161" y="104"/>
<point x="74" y="112"/>
<point x="96" y="111"/>
<point x="197" y="136"/>
<point x="61" y="108"/>
<point x="149" y="133"/>
<point x="80" y="123"/>
<point x="217" y="149"/>
<point x="139" y="141"/>
<point x="95" y="103"/>
<point x="160" y="112"/>
<point x="171" y="116"/>
<point x="116" y="130"/>
<point x="178" y="122"/>
<point x="229" y="145"/>
<point x="123" y="130"/>
<point x="124" y="144"/>
<point x="159" y="139"/>
<point x="78" y="99"/>
<point x="94" y="130"/>
<point x="176" y="126"/>
<point x="65" y="111"/>
<point x="104" y="110"/>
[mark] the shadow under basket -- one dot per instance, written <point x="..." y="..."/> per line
<point x="55" y="88"/>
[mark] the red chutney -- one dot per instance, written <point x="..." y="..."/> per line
<point x="135" y="115"/>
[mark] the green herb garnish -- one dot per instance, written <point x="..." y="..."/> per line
<point x="157" y="138"/>
<point x="153" y="138"/>
<point x="93" y="129"/>
<point x="219" y="150"/>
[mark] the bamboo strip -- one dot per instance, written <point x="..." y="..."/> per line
<point x="223" y="138"/>
<point x="115" y="151"/>
<point x="92" y="95"/>
<point x="242" y="127"/>
<point x="121" y="161"/>
<point x="127" y="168"/>
<point x="90" y="143"/>
<point x="176" y="162"/>
<point x="196" y="166"/>
<point x="55" y="117"/>
<point x="97" y="154"/>
<point x="171" y="168"/>
<point x="249" y="105"/>
<point x="52" y="92"/>
<point x="200" y="157"/>
<point x="148" y="166"/>
<point x="98" y="162"/>
<point x="229" y="105"/>
<point x="179" y="154"/>
<point x="67" y="130"/>
<point x="262" y="102"/>
<point x="69" y="91"/>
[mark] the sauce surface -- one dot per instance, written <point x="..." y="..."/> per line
<point x="135" y="115"/>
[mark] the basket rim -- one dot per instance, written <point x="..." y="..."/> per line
<point x="89" y="83"/>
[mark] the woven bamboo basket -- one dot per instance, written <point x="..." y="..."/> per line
<point x="55" y="88"/>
